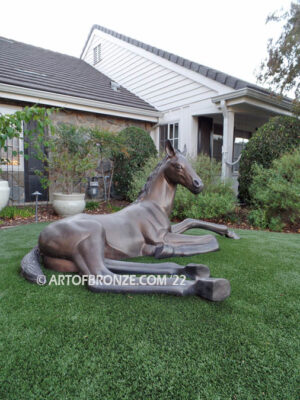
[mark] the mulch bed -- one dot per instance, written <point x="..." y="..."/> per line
<point x="47" y="214"/>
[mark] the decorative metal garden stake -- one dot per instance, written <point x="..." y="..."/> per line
<point x="36" y="194"/>
<point x="96" y="245"/>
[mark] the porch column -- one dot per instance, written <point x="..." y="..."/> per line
<point x="188" y="131"/>
<point x="228" y="137"/>
<point x="154" y="133"/>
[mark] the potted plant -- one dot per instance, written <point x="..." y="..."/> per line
<point x="4" y="193"/>
<point x="71" y="159"/>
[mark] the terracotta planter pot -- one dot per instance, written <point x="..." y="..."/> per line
<point x="4" y="193"/>
<point x="68" y="204"/>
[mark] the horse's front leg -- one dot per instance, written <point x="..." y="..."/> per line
<point x="192" y="271"/>
<point x="190" y="223"/>
<point x="185" y="245"/>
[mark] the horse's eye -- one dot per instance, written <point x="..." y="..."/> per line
<point x="178" y="166"/>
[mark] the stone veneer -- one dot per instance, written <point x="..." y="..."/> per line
<point x="102" y="122"/>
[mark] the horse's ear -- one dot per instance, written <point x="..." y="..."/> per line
<point x="170" y="149"/>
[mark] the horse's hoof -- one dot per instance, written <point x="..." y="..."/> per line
<point x="213" y="289"/>
<point x="197" y="271"/>
<point x="164" y="251"/>
<point x="232" y="235"/>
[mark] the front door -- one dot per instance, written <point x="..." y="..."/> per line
<point x="204" y="135"/>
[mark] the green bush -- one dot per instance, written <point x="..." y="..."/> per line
<point x="140" y="148"/>
<point x="273" y="139"/>
<point x="92" y="205"/>
<point x="216" y="201"/>
<point x="139" y="178"/>
<point x="275" y="192"/>
<point x="13" y="212"/>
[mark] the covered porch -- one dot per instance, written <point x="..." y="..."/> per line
<point x="223" y="134"/>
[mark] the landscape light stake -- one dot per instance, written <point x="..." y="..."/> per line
<point x="36" y="194"/>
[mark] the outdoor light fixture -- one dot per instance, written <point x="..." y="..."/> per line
<point x="93" y="188"/>
<point x="36" y="194"/>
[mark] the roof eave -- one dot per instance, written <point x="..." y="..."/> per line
<point x="35" y="96"/>
<point x="250" y="93"/>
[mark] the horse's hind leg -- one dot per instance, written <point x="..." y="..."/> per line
<point x="190" y="223"/>
<point x="192" y="271"/>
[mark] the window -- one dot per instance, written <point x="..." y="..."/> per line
<point x="97" y="54"/>
<point x="171" y="132"/>
<point x="12" y="158"/>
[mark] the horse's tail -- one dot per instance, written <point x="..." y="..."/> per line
<point x="31" y="267"/>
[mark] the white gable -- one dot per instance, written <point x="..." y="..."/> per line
<point x="163" y="84"/>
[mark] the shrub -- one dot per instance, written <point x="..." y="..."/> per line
<point x="275" y="192"/>
<point x="92" y="205"/>
<point x="13" y="212"/>
<point x="276" y="137"/>
<point x="216" y="201"/>
<point x="139" y="178"/>
<point x="140" y="148"/>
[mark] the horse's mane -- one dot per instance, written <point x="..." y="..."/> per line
<point x="151" y="177"/>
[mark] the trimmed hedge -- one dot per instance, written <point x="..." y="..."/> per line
<point x="273" y="139"/>
<point x="140" y="148"/>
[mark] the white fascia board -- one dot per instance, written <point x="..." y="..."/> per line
<point x="253" y="97"/>
<point x="195" y="76"/>
<point x="76" y="103"/>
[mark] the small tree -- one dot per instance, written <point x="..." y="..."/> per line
<point x="70" y="159"/>
<point x="281" y="68"/>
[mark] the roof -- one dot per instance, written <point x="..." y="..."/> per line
<point x="36" y="68"/>
<point x="211" y="73"/>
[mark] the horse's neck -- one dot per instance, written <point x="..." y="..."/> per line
<point x="162" y="193"/>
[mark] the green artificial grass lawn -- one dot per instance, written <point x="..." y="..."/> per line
<point x="65" y="342"/>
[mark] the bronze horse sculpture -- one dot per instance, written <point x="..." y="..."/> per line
<point x="94" y="245"/>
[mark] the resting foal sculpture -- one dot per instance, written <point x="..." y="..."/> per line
<point x="93" y="245"/>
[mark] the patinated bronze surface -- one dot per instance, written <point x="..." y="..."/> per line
<point x="94" y="244"/>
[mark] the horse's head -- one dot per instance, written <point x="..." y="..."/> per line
<point x="178" y="170"/>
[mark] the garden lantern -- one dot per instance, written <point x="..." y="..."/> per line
<point x="93" y="188"/>
<point x="36" y="194"/>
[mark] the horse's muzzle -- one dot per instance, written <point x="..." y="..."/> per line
<point x="197" y="186"/>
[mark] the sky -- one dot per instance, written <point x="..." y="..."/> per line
<point x="228" y="35"/>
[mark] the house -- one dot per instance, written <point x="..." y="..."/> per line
<point x="201" y="108"/>
<point x="87" y="97"/>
